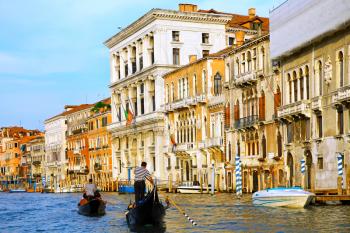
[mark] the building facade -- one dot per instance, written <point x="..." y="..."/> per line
<point x="55" y="151"/>
<point x="78" y="144"/>
<point x="315" y="83"/>
<point x="194" y="104"/>
<point x="37" y="160"/>
<point x="100" y="151"/>
<point x="253" y="133"/>
<point x="141" y="54"/>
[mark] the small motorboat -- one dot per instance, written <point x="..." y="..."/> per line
<point x="17" y="191"/>
<point x="148" y="211"/>
<point x="95" y="207"/>
<point x="294" y="197"/>
<point x="190" y="187"/>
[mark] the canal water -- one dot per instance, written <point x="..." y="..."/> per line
<point x="36" y="212"/>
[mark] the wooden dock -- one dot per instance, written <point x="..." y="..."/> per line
<point x="325" y="198"/>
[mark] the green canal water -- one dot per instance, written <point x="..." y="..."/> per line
<point x="35" y="212"/>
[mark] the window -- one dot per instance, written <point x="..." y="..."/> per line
<point x="153" y="103"/>
<point x="217" y="84"/>
<point x="231" y="41"/>
<point x="320" y="77"/>
<point x="256" y="25"/>
<point x="279" y="144"/>
<point x="301" y="81"/>
<point x="319" y="125"/>
<point x="205" y="53"/>
<point x="320" y="163"/>
<point x="126" y="69"/>
<point x="194" y="84"/>
<point x="307" y="82"/>
<point x="295" y="86"/>
<point x="229" y="152"/>
<point x="176" y="35"/>
<point x="340" y="121"/>
<point x="142" y="105"/>
<point x="205" y="38"/>
<point x="154" y="163"/>
<point x="152" y="57"/>
<point x="97" y="125"/>
<point x="290" y="133"/>
<point x="264" y="149"/>
<point x="104" y="121"/>
<point x="341" y="68"/>
<point x="176" y="56"/>
<point x="135" y="108"/>
<point x="141" y="61"/>
<point x="142" y="88"/>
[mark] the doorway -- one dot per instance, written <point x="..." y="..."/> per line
<point x="255" y="181"/>
<point x="290" y="164"/>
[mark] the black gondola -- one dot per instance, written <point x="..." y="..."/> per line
<point x="149" y="211"/>
<point x="95" y="207"/>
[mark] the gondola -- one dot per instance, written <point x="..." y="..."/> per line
<point x="95" y="207"/>
<point x="148" y="211"/>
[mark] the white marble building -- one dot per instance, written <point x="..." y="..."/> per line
<point x="140" y="55"/>
<point x="55" y="147"/>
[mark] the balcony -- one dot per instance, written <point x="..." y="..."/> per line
<point x="341" y="96"/>
<point x="76" y="151"/>
<point x="247" y="122"/>
<point x="246" y="79"/>
<point x="201" y="98"/>
<point x="316" y="104"/>
<point x="297" y="109"/>
<point x="140" y="120"/>
<point x="216" y="100"/>
<point x="214" y="142"/>
<point x="98" y="167"/>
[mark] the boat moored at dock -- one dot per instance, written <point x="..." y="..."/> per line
<point x="191" y="187"/>
<point x="283" y="197"/>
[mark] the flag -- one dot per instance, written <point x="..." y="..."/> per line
<point x="172" y="139"/>
<point x="128" y="116"/>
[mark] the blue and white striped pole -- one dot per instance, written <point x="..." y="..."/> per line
<point x="238" y="176"/>
<point x="340" y="167"/>
<point x="302" y="166"/>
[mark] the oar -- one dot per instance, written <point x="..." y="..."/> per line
<point x="181" y="210"/>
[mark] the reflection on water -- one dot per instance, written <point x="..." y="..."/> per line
<point x="34" y="212"/>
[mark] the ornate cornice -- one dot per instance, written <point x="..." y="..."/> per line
<point x="155" y="14"/>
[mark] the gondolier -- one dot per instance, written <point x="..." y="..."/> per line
<point x="141" y="174"/>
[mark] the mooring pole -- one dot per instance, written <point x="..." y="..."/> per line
<point x="213" y="179"/>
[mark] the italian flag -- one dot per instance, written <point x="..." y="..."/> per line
<point x="128" y="116"/>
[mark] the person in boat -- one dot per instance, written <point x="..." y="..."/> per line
<point x="90" y="190"/>
<point x="84" y="200"/>
<point x="141" y="174"/>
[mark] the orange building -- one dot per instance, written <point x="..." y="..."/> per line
<point x="100" y="152"/>
<point x="77" y="145"/>
<point x="13" y="162"/>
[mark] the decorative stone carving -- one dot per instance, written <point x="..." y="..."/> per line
<point x="328" y="71"/>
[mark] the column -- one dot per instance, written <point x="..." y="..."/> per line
<point x="159" y="91"/>
<point x="145" y="43"/>
<point x="129" y="48"/>
<point x="137" y="55"/>
<point x="305" y="87"/>
<point x="292" y="84"/>
<point x="138" y="98"/>
<point x="121" y="64"/>
<point x="298" y="89"/>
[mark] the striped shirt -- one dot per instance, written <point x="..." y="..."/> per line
<point x="141" y="173"/>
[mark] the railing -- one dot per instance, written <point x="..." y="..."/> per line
<point x="214" y="100"/>
<point x="214" y="142"/>
<point x="316" y="103"/>
<point x="248" y="77"/>
<point x="341" y="95"/>
<point x="300" y="107"/>
<point x="246" y="122"/>
<point x="76" y="151"/>
<point x="201" y="98"/>
<point x="152" y="116"/>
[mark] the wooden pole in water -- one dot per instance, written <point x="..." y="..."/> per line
<point x="181" y="211"/>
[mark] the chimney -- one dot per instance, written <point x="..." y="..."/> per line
<point x="251" y="13"/>
<point x="193" y="58"/>
<point x="239" y="37"/>
<point x="183" y="7"/>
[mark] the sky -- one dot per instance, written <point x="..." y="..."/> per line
<point x="52" y="52"/>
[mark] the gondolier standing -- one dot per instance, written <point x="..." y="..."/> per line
<point x="141" y="174"/>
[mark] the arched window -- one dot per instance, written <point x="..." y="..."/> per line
<point x="301" y="82"/>
<point x="341" y="68"/>
<point x="217" y="84"/>
<point x="307" y="82"/>
<point x="295" y="86"/>
<point x="236" y="111"/>
<point x="263" y="144"/>
<point x="320" y="77"/>
<point x="237" y="70"/>
<point x="279" y="144"/>
<point x="204" y="81"/>
<point x="262" y="106"/>
<point x="290" y="88"/>
<point x="194" y="85"/>
<point x="249" y="60"/>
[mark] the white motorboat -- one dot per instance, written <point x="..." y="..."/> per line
<point x="283" y="197"/>
<point x="191" y="187"/>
